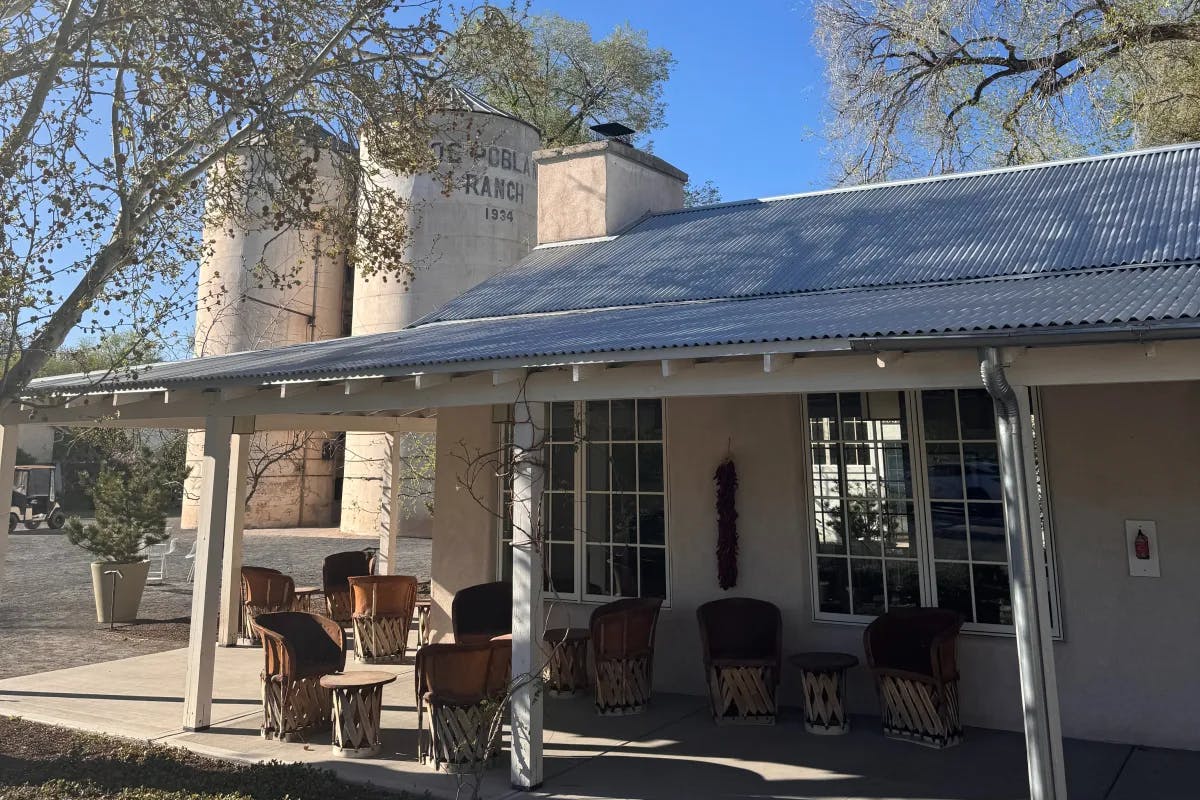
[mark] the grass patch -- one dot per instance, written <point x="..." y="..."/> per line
<point x="43" y="762"/>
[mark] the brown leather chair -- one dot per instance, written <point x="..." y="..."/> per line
<point x="479" y="613"/>
<point x="298" y="649"/>
<point x="912" y="653"/>
<point x="335" y="574"/>
<point x="264" y="591"/>
<point x="382" y="613"/>
<point x="463" y="687"/>
<point x="623" y="647"/>
<point x="742" y="640"/>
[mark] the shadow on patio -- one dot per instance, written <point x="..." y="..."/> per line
<point x="673" y="750"/>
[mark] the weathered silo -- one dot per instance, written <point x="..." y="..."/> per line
<point x="473" y="217"/>
<point x="261" y="287"/>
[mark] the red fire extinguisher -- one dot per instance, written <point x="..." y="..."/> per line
<point x="1141" y="546"/>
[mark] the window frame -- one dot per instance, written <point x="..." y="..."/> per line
<point x="580" y="490"/>
<point x="926" y="569"/>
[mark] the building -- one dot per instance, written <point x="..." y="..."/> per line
<point x="487" y="222"/>
<point x="897" y="370"/>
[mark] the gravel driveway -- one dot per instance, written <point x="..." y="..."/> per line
<point x="48" y="618"/>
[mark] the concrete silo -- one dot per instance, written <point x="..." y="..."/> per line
<point x="261" y="287"/>
<point x="474" y="217"/>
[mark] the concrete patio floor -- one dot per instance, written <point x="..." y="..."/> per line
<point x="671" y="751"/>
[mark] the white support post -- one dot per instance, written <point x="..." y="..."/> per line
<point x="235" y="516"/>
<point x="386" y="559"/>
<point x="1030" y="589"/>
<point x="8" y="462"/>
<point x="210" y="538"/>
<point x="528" y="474"/>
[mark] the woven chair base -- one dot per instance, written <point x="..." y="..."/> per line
<point x="340" y="609"/>
<point x="917" y="712"/>
<point x="422" y="625"/>
<point x="742" y="695"/>
<point x="622" y="686"/>
<point x="459" y="737"/>
<point x="824" y="702"/>
<point x="380" y="640"/>
<point x="294" y="708"/>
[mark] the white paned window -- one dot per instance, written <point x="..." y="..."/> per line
<point x="604" y="501"/>
<point x="907" y="506"/>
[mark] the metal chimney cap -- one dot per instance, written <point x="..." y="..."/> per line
<point x="613" y="130"/>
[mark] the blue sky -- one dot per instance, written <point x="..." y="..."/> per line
<point x="745" y="99"/>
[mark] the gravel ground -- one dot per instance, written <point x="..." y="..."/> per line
<point x="48" y="617"/>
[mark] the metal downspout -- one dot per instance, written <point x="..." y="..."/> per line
<point x="1031" y="611"/>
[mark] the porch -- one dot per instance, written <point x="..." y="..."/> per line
<point x="672" y="748"/>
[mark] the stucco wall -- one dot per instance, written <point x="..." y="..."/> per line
<point x="1126" y="667"/>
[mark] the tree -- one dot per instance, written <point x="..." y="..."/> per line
<point x="557" y="77"/>
<point x="702" y="194"/>
<point x="131" y="507"/>
<point x="123" y="123"/>
<point x="943" y="85"/>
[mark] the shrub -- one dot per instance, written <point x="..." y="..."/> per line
<point x="132" y="502"/>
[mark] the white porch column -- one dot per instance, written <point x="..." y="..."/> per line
<point x="8" y="461"/>
<point x="235" y="518"/>
<point x="386" y="559"/>
<point x="1030" y="589"/>
<point x="210" y="538"/>
<point x="528" y="473"/>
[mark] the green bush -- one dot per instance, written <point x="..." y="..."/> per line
<point x="132" y="502"/>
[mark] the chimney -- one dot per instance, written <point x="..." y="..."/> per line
<point x="598" y="188"/>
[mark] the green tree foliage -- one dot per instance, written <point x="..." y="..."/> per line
<point x="562" y="80"/>
<point x="131" y="504"/>
<point x="944" y="85"/>
<point x="126" y="125"/>
<point x="700" y="194"/>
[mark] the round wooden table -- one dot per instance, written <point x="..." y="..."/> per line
<point x="824" y="679"/>
<point x="306" y="598"/>
<point x="566" y="665"/>
<point x="357" y="708"/>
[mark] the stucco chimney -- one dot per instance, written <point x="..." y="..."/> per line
<point x="598" y="188"/>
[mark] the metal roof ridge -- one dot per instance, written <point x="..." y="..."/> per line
<point x="569" y="242"/>
<point x="948" y="176"/>
<point x="815" y="292"/>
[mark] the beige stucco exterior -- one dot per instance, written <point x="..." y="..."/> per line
<point x="1126" y="659"/>
<point x="599" y="188"/>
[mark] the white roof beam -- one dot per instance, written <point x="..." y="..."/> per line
<point x="674" y="366"/>
<point x="584" y="372"/>
<point x="884" y="359"/>
<point x="776" y="362"/>
<point x="428" y="380"/>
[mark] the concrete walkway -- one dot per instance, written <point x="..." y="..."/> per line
<point x="671" y="751"/>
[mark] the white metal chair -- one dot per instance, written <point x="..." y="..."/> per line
<point x="157" y="554"/>
<point x="191" y="557"/>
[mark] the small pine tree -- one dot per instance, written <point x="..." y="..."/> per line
<point x="131" y="504"/>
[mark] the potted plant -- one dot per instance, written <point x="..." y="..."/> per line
<point x="131" y="502"/>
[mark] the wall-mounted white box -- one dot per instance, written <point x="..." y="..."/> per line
<point x="1141" y="545"/>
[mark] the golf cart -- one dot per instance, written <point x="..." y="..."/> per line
<point x="33" y="500"/>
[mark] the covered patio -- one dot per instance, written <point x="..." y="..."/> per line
<point x="671" y="750"/>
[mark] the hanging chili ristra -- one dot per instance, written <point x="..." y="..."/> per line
<point x="727" y="536"/>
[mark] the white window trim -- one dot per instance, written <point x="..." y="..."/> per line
<point x="580" y="524"/>
<point x="924" y="530"/>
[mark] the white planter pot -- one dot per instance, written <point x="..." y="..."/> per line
<point x="118" y="597"/>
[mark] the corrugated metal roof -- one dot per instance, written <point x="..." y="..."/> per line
<point x="1132" y="208"/>
<point x="1077" y="299"/>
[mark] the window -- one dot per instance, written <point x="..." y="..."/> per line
<point x="604" y="501"/>
<point x="907" y="505"/>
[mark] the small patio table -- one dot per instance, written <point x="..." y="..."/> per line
<point x="306" y="599"/>
<point x="566" y="667"/>
<point x="423" y="607"/>
<point x="824" y="678"/>
<point x="357" y="708"/>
